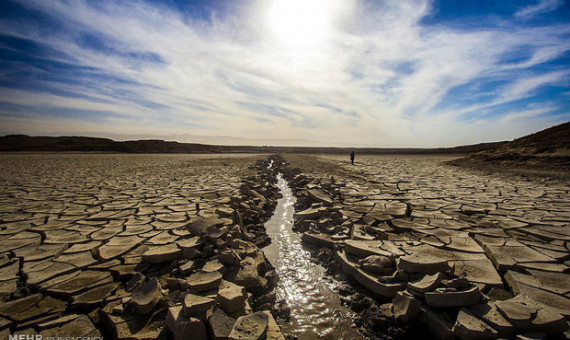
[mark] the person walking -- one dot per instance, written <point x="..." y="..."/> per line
<point x="352" y="157"/>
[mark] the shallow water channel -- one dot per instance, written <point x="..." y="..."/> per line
<point x="316" y="312"/>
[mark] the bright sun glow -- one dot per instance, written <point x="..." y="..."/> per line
<point x="301" y="22"/>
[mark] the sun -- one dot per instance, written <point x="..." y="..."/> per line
<point x="300" y="22"/>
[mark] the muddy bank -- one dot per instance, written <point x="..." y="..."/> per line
<point x="425" y="260"/>
<point x="308" y="305"/>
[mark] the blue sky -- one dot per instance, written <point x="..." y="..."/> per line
<point x="291" y="72"/>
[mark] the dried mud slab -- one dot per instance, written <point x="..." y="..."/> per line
<point x="456" y="238"/>
<point x="134" y="246"/>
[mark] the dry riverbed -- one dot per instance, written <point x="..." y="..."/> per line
<point x="168" y="246"/>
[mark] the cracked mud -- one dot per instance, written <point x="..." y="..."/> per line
<point x="149" y="246"/>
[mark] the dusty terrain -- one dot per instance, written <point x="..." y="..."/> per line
<point x="152" y="246"/>
<point x="469" y="255"/>
<point x="133" y="246"/>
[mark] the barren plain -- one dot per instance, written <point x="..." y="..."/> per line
<point x="81" y="234"/>
<point x="151" y="246"/>
<point x="469" y="255"/>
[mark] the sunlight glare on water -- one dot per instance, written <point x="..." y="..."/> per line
<point x="316" y="312"/>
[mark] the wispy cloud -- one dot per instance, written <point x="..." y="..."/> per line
<point x="380" y="77"/>
<point x="527" y="114"/>
<point x="543" y="6"/>
<point x="523" y="87"/>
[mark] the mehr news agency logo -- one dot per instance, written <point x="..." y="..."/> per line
<point x="40" y="337"/>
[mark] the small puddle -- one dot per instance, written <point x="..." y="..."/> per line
<point x="316" y="312"/>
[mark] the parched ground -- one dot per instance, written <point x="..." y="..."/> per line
<point x="73" y="225"/>
<point x="462" y="202"/>
<point x="429" y="184"/>
<point x="60" y="191"/>
<point x="508" y="235"/>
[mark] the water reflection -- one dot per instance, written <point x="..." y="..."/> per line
<point x="316" y="312"/>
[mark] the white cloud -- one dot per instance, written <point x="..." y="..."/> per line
<point x="543" y="6"/>
<point x="377" y="79"/>
<point x="527" y="114"/>
<point x="524" y="86"/>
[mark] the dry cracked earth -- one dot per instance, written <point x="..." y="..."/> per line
<point x="132" y="246"/>
<point x="471" y="256"/>
<point x="168" y="246"/>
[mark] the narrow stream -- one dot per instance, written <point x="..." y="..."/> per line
<point x="316" y="312"/>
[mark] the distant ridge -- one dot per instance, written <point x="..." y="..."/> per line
<point x="23" y="143"/>
<point x="553" y="142"/>
<point x="546" y="152"/>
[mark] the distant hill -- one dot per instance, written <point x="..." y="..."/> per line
<point x="545" y="153"/>
<point x="92" y="144"/>
<point x="553" y="142"/>
<point x="23" y="143"/>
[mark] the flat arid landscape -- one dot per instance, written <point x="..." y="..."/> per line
<point x="284" y="170"/>
<point x="141" y="246"/>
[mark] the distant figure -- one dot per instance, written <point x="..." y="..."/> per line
<point x="352" y="158"/>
